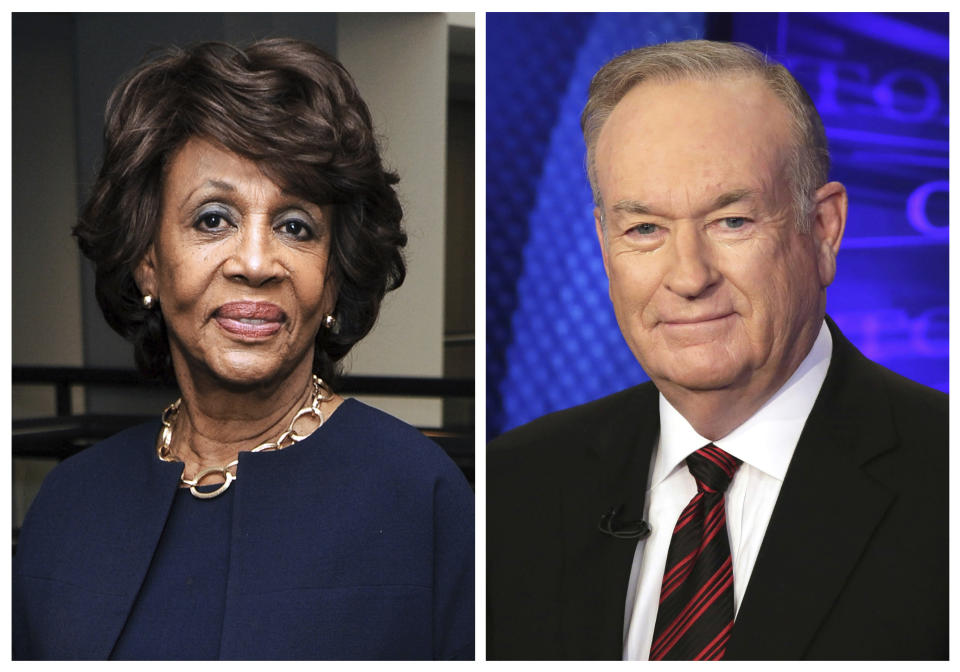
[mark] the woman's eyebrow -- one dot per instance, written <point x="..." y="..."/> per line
<point x="216" y="184"/>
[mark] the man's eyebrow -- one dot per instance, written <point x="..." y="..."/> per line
<point x="635" y="207"/>
<point x="731" y="197"/>
<point x="632" y="207"/>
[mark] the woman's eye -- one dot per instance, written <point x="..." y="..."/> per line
<point x="211" y="221"/>
<point x="296" y="229"/>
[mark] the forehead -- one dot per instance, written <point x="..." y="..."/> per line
<point x="199" y="159"/>
<point x="687" y="140"/>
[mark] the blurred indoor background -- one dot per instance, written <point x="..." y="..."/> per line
<point x="415" y="71"/>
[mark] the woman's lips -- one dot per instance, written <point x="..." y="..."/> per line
<point x="250" y="319"/>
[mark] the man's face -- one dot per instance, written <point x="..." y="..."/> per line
<point x="712" y="285"/>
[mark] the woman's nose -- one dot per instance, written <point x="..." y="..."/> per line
<point x="255" y="258"/>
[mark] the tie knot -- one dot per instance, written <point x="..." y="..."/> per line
<point x="712" y="468"/>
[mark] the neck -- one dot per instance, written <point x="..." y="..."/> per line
<point x="218" y="421"/>
<point x="714" y="413"/>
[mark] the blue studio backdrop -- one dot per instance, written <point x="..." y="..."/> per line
<point x="880" y="83"/>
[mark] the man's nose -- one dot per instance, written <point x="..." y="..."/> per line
<point x="692" y="270"/>
<point x="255" y="258"/>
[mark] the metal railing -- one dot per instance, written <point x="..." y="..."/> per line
<point x="67" y="433"/>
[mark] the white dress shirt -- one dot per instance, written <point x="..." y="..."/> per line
<point x="765" y="443"/>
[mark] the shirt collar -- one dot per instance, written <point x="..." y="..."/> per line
<point x="768" y="438"/>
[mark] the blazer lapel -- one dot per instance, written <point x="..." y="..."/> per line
<point x="140" y="504"/>
<point x="596" y="566"/>
<point x="826" y="512"/>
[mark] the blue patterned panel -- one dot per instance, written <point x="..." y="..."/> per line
<point x="880" y="81"/>
<point x="562" y="345"/>
<point x="529" y="61"/>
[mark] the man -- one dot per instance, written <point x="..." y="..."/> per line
<point x="771" y="494"/>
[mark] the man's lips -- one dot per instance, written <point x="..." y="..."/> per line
<point x="250" y="319"/>
<point x="703" y="319"/>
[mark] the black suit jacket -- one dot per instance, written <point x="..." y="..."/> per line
<point x="853" y="564"/>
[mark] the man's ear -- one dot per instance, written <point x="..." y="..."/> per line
<point x="145" y="274"/>
<point x="829" y="220"/>
<point x="601" y="237"/>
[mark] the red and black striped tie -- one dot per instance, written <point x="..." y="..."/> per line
<point x="695" y="616"/>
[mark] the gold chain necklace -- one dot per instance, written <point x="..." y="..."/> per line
<point x="287" y="438"/>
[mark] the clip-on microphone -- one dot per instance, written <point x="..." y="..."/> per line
<point x="627" y="529"/>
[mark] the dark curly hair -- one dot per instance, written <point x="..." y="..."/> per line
<point x="296" y="112"/>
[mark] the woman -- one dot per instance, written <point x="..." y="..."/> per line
<point x="244" y="232"/>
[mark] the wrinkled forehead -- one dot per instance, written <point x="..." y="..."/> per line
<point x="202" y="160"/>
<point x="693" y="136"/>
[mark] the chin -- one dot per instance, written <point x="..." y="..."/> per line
<point x="696" y="382"/>
<point x="701" y="376"/>
<point x="249" y="370"/>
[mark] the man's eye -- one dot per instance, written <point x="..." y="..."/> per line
<point x="734" y="222"/>
<point x="644" y="229"/>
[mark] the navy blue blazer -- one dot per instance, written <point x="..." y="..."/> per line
<point x="356" y="543"/>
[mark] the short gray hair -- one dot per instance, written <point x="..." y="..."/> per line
<point x="704" y="59"/>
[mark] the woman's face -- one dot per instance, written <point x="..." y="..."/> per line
<point x="239" y="268"/>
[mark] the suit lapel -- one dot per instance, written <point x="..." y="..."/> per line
<point x="826" y="512"/>
<point x="596" y="567"/>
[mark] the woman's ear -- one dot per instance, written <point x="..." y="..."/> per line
<point x="145" y="274"/>
<point x="328" y="303"/>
